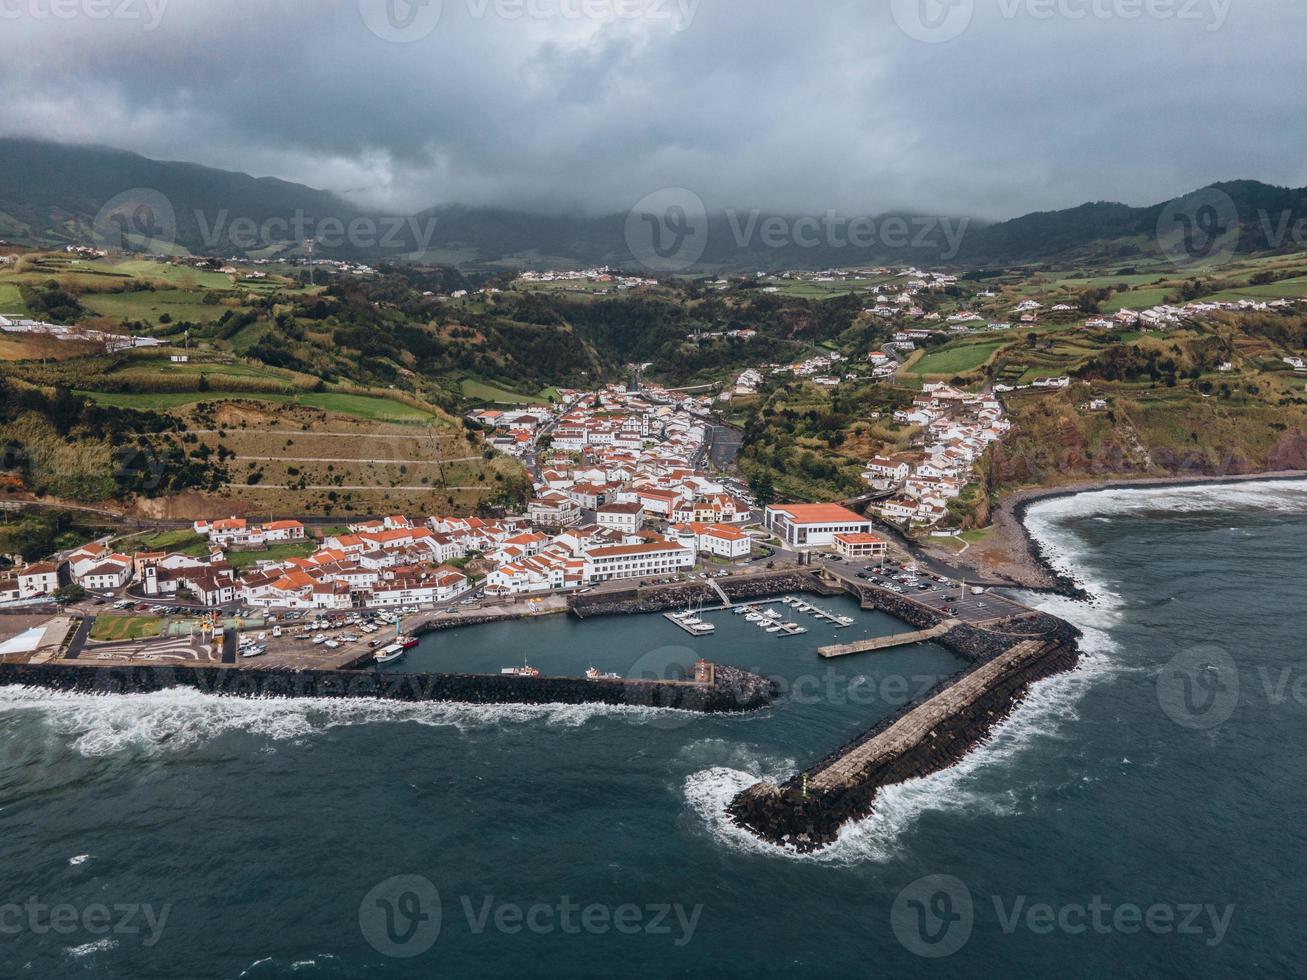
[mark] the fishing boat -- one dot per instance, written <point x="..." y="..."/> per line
<point x="595" y="674"/>
<point x="526" y="670"/>
<point x="254" y="651"/>
<point x="388" y="655"/>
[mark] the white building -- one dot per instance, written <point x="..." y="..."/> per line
<point x="813" y="525"/>
<point x="637" y="561"/>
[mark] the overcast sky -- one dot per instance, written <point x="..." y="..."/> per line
<point x="801" y="105"/>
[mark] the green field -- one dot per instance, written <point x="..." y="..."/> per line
<point x="1138" y="299"/>
<point x="957" y="360"/>
<point x="180" y="304"/>
<point x="276" y="552"/>
<point x="367" y="407"/>
<point x="183" y="541"/>
<point x="125" y="627"/>
<point x="11" y="301"/>
<point x="482" y="391"/>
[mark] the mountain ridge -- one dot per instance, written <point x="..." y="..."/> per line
<point x="51" y="194"/>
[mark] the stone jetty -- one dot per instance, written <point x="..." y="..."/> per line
<point x="1004" y="659"/>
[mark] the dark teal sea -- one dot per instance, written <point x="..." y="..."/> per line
<point x="1141" y="817"/>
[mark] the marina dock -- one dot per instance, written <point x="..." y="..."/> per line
<point x="887" y="642"/>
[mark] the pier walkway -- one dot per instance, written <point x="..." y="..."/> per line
<point x="888" y="642"/>
<point x="917" y="725"/>
<point x="718" y="589"/>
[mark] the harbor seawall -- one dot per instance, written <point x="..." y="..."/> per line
<point x="936" y="731"/>
<point x="732" y="690"/>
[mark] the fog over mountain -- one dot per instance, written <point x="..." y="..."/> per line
<point x="749" y="104"/>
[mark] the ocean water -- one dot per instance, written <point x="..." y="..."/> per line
<point x="1140" y="817"/>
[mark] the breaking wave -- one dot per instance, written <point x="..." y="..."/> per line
<point x="181" y="719"/>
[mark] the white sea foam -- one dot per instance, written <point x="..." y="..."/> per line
<point x="1048" y="711"/>
<point x="180" y="719"/>
<point x="99" y="946"/>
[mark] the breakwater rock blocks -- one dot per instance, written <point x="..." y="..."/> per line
<point x="731" y="691"/>
<point x="933" y="733"/>
<point x="805" y="818"/>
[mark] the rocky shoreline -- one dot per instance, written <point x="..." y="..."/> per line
<point x="1015" y="556"/>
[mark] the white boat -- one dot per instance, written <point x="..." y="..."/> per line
<point x="773" y="629"/>
<point x="526" y="670"/>
<point x="388" y="655"/>
<point x="332" y="645"/>
<point x="742" y="610"/>
<point x="255" y="651"/>
<point x="772" y="614"/>
<point x="595" y="674"/>
<point x="276" y="631"/>
<point x="319" y="640"/>
<point x="754" y="617"/>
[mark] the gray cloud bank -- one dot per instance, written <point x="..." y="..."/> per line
<point x="985" y="107"/>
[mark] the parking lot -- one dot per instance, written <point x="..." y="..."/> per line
<point x="946" y="596"/>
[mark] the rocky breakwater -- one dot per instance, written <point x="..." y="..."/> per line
<point x="730" y="690"/>
<point x="806" y="812"/>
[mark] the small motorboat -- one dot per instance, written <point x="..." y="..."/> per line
<point x="388" y="655"/>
